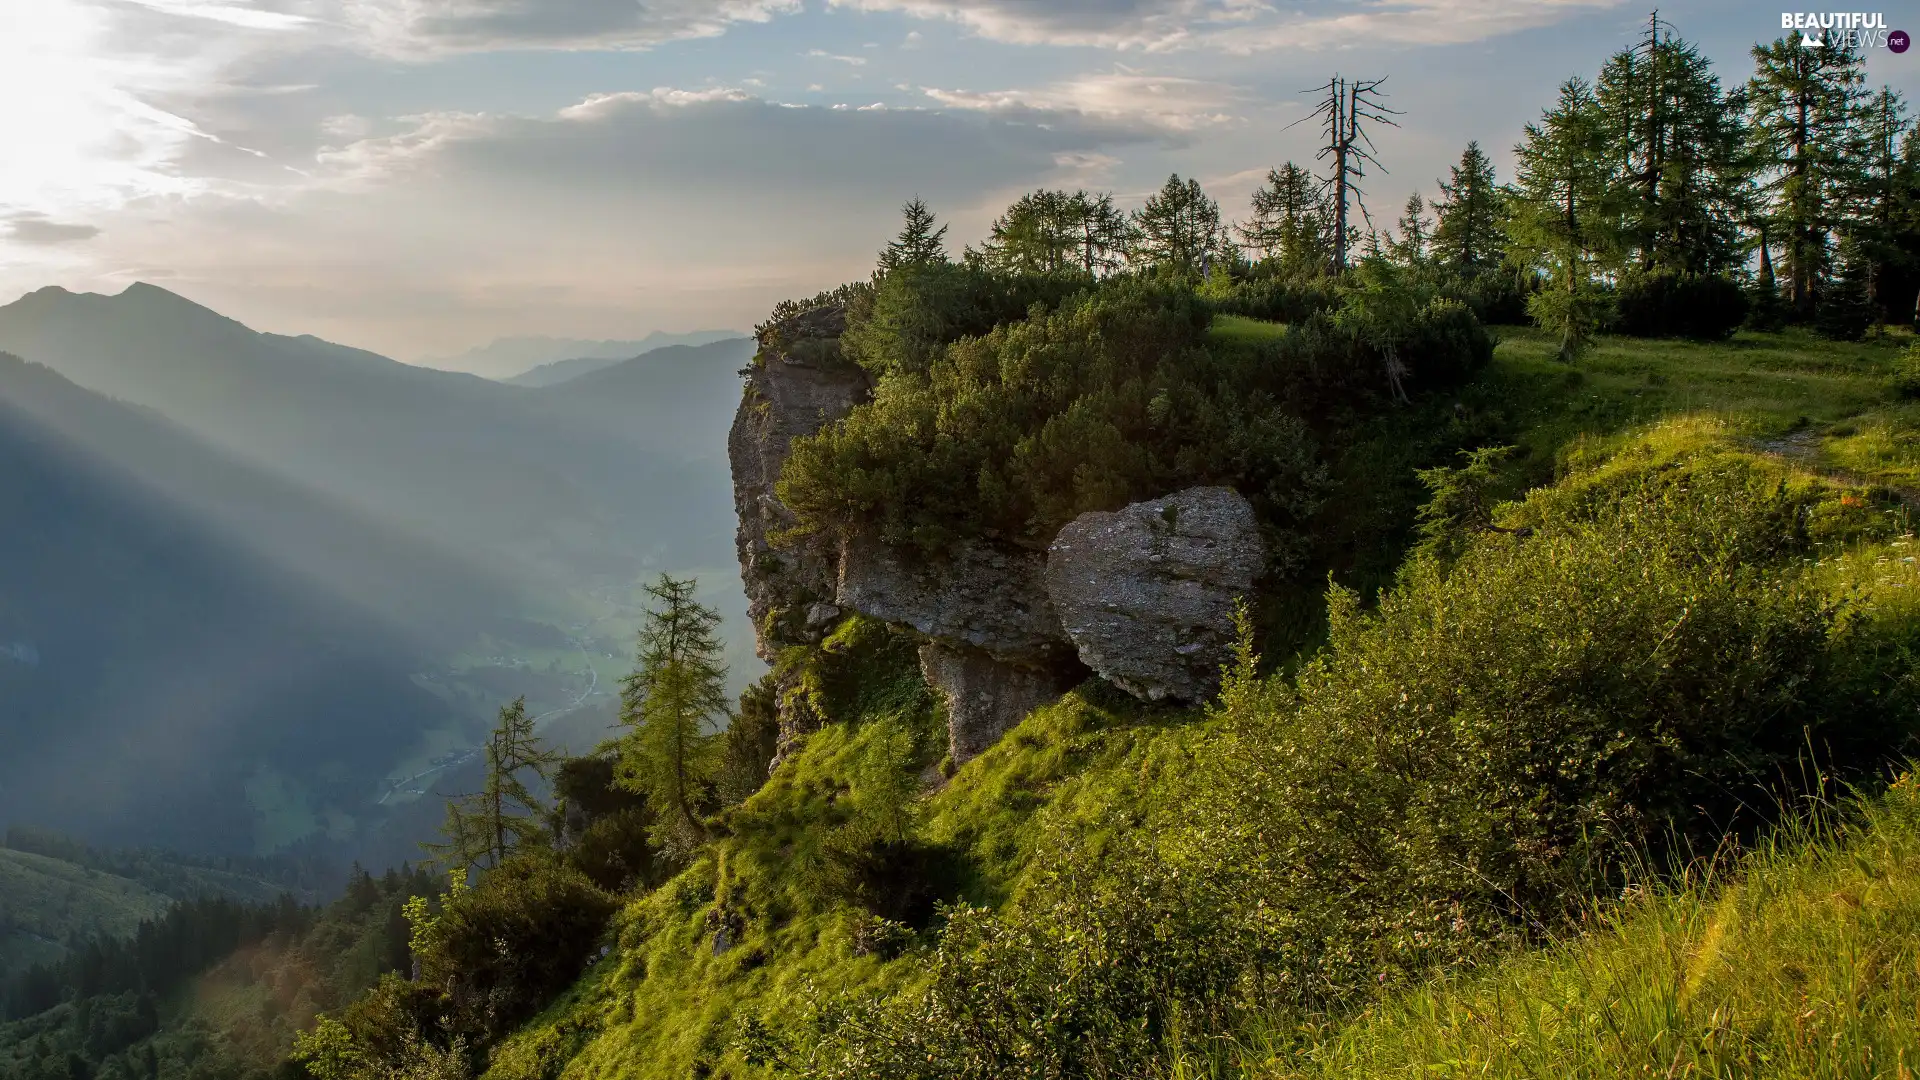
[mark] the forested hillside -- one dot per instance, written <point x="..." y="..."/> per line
<point x="1486" y="647"/>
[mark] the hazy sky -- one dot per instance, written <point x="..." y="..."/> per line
<point x="419" y="176"/>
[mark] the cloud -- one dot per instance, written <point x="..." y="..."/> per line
<point x="616" y="213"/>
<point x="822" y="54"/>
<point x="1235" y="26"/>
<point x="1127" y="99"/>
<point x="1121" y="24"/>
<point x="38" y="229"/>
<point x="429" y="27"/>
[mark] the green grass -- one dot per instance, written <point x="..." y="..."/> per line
<point x="1800" y="960"/>
<point x="1238" y="329"/>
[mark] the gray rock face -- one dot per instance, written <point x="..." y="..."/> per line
<point x="986" y="697"/>
<point x="800" y="385"/>
<point x="987" y="600"/>
<point x="1146" y="593"/>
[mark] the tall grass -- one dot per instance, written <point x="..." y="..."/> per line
<point x="1798" y="959"/>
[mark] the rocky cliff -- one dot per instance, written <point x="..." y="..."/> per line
<point x="1142" y="596"/>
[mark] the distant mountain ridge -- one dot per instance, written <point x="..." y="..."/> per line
<point x="258" y="563"/>
<point x="516" y="359"/>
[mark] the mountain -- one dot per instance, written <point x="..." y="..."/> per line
<point x="165" y="679"/>
<point x="560" y="371"/>
<point x="522" y="488"/>
<point x="510" y="359"/>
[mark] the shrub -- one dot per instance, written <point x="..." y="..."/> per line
<point x="1633" y="668"/>
<point x="1110" y="399"/>
<point x="1666" y="303"/>
<point x="1112" y="963"/>
<point x="502" y="950"/>
<point x="1279" y="299"/>
<point x="1906" y="373"/>
<point x="903" y="320"/>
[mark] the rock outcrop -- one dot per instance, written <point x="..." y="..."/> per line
<point x="799" y="384"/>
<point x="995" y="649"/>
<point x="985" y="599"/>
<point x="1146" y="593"/>
<point x="1143" y="596"/>
<point x="985" y="696"/>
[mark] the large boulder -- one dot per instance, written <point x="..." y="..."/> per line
<point x="985" y="696"/>
<point x="1146" y="593"/>
<point x="798" y="384"/>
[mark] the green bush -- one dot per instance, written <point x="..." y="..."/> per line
<point x="1666" y="303"/>
<point x="1632" y="668"/>
<point x="901" y="321"/>
<point x="1278" y="299"/>
<point x="1112" y="398"/>
<point x="1115" y="961"/>
<point x="502" y="950"/>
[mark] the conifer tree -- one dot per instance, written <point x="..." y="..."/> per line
<point x="1566" y="213"/>
<point x="920" y="243"/>
<point x="669" y="704"/>
<point x="1470" y="236"/>
<point x="1803" y="104"/>
<point x="1179" y="228"/>
<point x="1289" y="227"/>
<point x="484" y="827"/>
<point x="1409" y="245"/>
<point x="1050" y="232"/>
<point x="1679" y="144"/>
<point x="1884" y="233"/>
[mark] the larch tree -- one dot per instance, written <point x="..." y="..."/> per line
<point x="1567" y="213"/>
<point x="1803" y="106"/>
<point x="1290" y="226"/>
<point x="670" y="706"/>
<point x="1680" y="146"/>
<point x="1051" y="232"/>
<point x="484" y="827"/>
<point x="1470" y="234"/>
<point x="1413" y="234"/>
<point x="1179" y="228"/>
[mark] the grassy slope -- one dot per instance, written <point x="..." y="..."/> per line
<point x="665" y="1004"/>
<point x="49" y="902"/>
<point x="1803" y="961"/>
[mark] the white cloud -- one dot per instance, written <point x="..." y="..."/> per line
<point x="851" y="61"/>
<point x="1126" y="98"/>
<point x="1235" y="26"/>
<point x="430" y="27"/>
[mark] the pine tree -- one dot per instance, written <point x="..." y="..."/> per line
<point x="1470" y="234"/>
<point x="919" y="242"/>
<point x="1566" y="213"/>
<point x="1680" y="146"/>
<point x="676" y="692"/>
<point x="1409" y="246"/>
<point x="1803" y="103"/>
<point x="1290" y="227"/>
<point x="1179" y="228"/>
<point x="484" y="827"/>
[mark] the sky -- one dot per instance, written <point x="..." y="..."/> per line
<point x="418" y="177"/>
